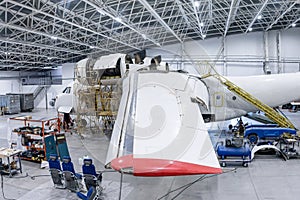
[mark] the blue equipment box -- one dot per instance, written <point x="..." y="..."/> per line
<point x="243" y="151"/>
<point x="236" y="154"/>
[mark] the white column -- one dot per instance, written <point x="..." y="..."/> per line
<point x="278" y="51"/>
<point x="224" y="56"/>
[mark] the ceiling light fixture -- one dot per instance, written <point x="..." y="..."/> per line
<point x="201" y="24"/>
<point x="293" y="24"/>
<point x="53" y="37"/>
<point x="101" y="12"/>
<point x="144" y="36"/>
<point x="118" y="19"/>
<point x="250" y="29"/>
<point x="204" y="36"/>
<point x="68" y="1"/>
<point x="259" y="17"/>
<point x="92" y="47"/>
<point x="196" y="4"/>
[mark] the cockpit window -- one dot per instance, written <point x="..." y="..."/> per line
<point x="67" y="90"/>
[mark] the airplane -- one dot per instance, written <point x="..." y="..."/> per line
<point x="65" y="101"/>
<point x="160" y="125"/>
<point x="78" y="97"/>
<point x="89" y="73"/>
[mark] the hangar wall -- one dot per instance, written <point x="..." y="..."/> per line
<point x="245" y="54"/>
<point x="67" y="76"/>
<point x="9" y="82"/>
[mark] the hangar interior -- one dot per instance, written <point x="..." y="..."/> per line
<point x="42" y="43"/>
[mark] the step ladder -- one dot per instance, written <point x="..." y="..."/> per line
<point x="269" y="112"/>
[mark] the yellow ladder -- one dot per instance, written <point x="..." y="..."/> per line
<point x="269" y="112"/>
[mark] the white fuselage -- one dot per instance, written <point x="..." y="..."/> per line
<point x="273" y="90"/>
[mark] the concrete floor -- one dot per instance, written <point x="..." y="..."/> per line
<point x="266" y="178"/>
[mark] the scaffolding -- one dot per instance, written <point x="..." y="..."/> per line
<point x="107" y="99"/>
<point x="97" y="99"/>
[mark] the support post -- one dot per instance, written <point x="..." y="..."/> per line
<point x="224" y="56"/>
<point x="278" y="48"/>
<point x="46" y="97"/>
<point x="266" y="64"/>
<point x="182" y="56"/>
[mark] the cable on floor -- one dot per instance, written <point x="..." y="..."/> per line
<point x="121" y="183"/>
<point x="2" y="188"/>
<point x="35" y="176"/>
<point x="15" y="177"/>
<point x="83" y="144"/>
<point x="186" y="186"/>
<point x="18" y="177"/>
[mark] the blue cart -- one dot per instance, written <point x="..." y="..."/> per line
<point x="234" y="154"/>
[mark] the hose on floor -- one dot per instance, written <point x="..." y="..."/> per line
<point x="17" y="177"/>
<point x="2" y="189"/>
<point x="186" y="186"/>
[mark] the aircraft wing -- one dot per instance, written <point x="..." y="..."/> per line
<point x="159" y="129"/>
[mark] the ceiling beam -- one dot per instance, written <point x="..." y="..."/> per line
<point x="11" y="41"/>
<point x="230" y="15"/>
<point x="102" y="11"/>
<point x="282" y="14"/>
<point x="14" y="67"/>
<point x="294" y="22"/>
<point x="29" y="54"/>
<point x="45" y="34"/>
<point x="197" y="17"/>
<point x="72" y="24"/>
<point x="258" y="13"/>
<point x="183" y="12"/>
<point x="2" y="2"/>
<point x="24" y="16"/>
<point x="26" y="61"/>
<point x="160" y="20"/>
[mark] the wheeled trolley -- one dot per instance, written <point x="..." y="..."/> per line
<point x="234" y="154"/>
